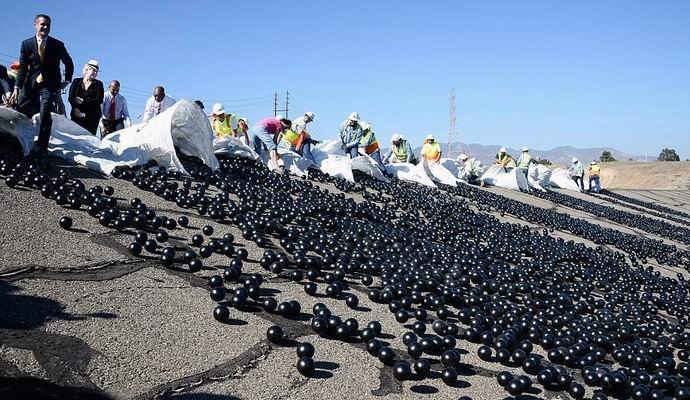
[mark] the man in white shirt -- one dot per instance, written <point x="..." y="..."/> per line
<point x="157" y="103"/>
<point x="114" y="110"/>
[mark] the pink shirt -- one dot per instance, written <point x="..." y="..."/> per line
<point x="272" y="125"/>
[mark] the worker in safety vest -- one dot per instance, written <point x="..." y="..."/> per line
<point x="299" y="139"/>
<point x="368" y="144"/>
<point x="351" y="135"/>
<point x="431" y="151"/>
<point x="471" y="168"/>
<point x="242" y="131"/>
<point x="524" y="161"/>
<point x="504" y="159"/>
<point x="577" y="172"/>
<point x="400" y="151"/>
<point x="594" y="172"/>
<point x="224" y="124"/>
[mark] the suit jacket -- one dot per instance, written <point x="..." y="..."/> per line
<point x="30" y="64"/>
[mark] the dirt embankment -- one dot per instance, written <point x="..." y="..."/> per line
<point x="646" y="175"/>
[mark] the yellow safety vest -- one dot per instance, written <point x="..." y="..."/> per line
<point x="370" y="143"/>
<point x="594" y="170"/>
<point x="501" y="157"/>
<point x="431" y="151"/>
<point x="224" y="127"/>
<point x="400" y="151"/>
<point x="291" y="136"/>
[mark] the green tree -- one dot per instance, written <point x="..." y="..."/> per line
<point x="606" y="157"/>
<point x="544" y="161"/>
<point x="668" y="155"/>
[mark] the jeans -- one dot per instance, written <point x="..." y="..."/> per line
<point x="351" y="151"/>
<point x="597" y="187"/>
<point x="59" y="105"/>
<point x="377" y="157"/>
<point x="47" y="98"/>
<point x="582" y="182"/>
<point x="262" y="139"/>
<point x="305" y="151"/>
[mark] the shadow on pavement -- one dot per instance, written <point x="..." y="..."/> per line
<point x="28" y="388"/>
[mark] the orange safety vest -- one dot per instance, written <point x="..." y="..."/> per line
<point x="372" y="147"/>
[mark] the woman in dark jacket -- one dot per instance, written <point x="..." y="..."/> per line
<point x="86" y="97"/>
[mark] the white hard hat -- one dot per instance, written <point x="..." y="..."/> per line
<point x="309" y="114"/>
<point x="242" y="119"/>
<point x="354" y="116"/>
<point x="279" y="116"/>
<point x="429" y="137"/>
<point x="503" y="150"/>
<point x="463" y="156"/>
<point x="218" y="109"/>
<point x="93" y="63"/>
<point x="525" y="149"/>
<point x="365" y="125"/>
<point x="593" y="162"/>
<point x="574" y="159"/>
<point x="395" y="137"/>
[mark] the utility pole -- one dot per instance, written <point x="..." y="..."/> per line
<point x="275" y="104"/>
<point x="453" y="135"/>
<point x="287" y="103"/>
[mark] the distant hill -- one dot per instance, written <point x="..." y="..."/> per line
<point x="558" y="155"/>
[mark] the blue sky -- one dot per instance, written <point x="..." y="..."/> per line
<point x="533" y="73"/>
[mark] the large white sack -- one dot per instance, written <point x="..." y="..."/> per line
<point x="291" y="161"/>
<point x="440" y="174"/>
<point x="183" y="125"/>
<point x="453" y="166"/>
<point x="410" y="173"/>
<point x="331" y="159"/>
<point x="496" y="175"/>
<point x="233" y="147"/>
<point x="330" y="147"/>
<point x="18" y="125"/>
<point x="538" y="176"/>
<point x="367" y="165"/>
<point x="561" y="178"/>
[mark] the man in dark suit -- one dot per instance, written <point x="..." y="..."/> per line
<point x="40" y="78"/>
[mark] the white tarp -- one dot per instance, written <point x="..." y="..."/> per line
<point x="513" y="179"/>
<point x="538" y="176"/>
<point x="560" y="178"/>
<point x="183" y="125"/>
<point x="410" y="173"/>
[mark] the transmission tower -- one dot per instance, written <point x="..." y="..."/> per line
<point x="453" y="135"/>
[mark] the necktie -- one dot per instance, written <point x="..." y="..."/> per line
<point x="41" y="54"/>
<point x="112" y="110"/>
<point x="42" y="49"/>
